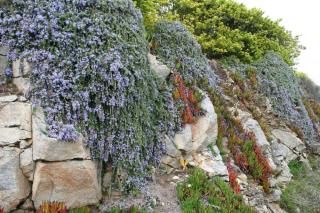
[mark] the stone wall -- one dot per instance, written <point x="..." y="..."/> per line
<point x="34" y="167"/>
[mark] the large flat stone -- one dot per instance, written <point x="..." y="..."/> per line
<point x="20" y="69"/>
<point x="211" y="164"/>
<point x="22" y="84"/>
<point x="16" y="115"/>
<point x="289" y="139"/>
<point x="51" y="149"/>
<point x="161" y="70"/>
<point x="26" y="163"/>
<point x="251" y="125"/>
<point x="171" y="149"/>
<point x="10" y="136"/>
<point x="14" y="186"/>
<point x="183" y="139"/>
<point x="73" y="182"/>
<point x="205" y="130"/>
<point x="9" y="98"/>
<point x="281" y="150"/>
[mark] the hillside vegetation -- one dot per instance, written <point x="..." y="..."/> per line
<point x="225" y="28"/>
<point x="93" y="77"/>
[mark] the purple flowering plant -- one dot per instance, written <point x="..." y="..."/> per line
<point x="91" y="76"/>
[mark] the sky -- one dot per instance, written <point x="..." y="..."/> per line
<point x="301" y="18"/>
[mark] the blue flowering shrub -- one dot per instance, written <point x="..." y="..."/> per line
<point x="277" y="81"/>
<point x="91" y="75"/>
<point x="178" y="49"/>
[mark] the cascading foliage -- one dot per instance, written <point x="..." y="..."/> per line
<point x="278" y="83"/>
<point x="91" y="76"/>
<point x="178" y="49"/>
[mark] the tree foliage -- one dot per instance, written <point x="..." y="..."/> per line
<point x="152" y="11"/>
<point x="226" y="28"/>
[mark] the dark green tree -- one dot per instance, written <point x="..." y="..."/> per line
<point x="227" y="28"/>
<point x="152" y="11"/>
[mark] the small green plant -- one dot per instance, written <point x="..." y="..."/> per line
<point x="80" y="210"/>
<point x="314" y="161"/>
<point x="202" y="194"/>
<point x="302" y="194"/>
<point x="297" y="168"/>
<point x="132" y="209"/>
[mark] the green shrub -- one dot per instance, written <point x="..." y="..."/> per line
<point x="314" y="161"/>
<point x="310" y="89"/>
<point x="152" y="11"/>
<point x="297" y="168"/>
<point x="277" y="81"/>
<point x="177" y="48"/>
<point x="202" y="194"/>
<point x="302" y="195"/>
<point x="80" y="210"/>
<point x="130" y="210"/>
<point x="227" y="28"/>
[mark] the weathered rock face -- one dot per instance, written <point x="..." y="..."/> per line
<point x="21" y="71"/>
<point x="281" y="152"/>
<point x="25" y="155"/>
<point x="290" y="140"/>
<point x="14" y="186"/>
<point x="72" y="182"/>
<point x="11" y="136"/>
<point x="285" y="148"/>
<point x="21" y="68"/>
<point x="15" y="114"/>
<point x="251" y="125"/>
<point x="191" y="144"/>
<point x="161" y="70"/>
<point x="196" y="137"/>
<point x="26" y="163"/>
<point x="211" y="163"/>
<point x="9" y="98"/>
<point x="205" y="130"/>
<point x="50" y="149"/>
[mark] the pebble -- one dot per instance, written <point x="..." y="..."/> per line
<point x="175" y="178"/>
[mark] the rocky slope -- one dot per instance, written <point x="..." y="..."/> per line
<point x="153" y="117"/>
<point x="35" y="168"/>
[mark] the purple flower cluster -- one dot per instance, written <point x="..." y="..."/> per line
<point x="278" y="83"/>
<point x="178" y="49"/>
<point x="91" y="75"/>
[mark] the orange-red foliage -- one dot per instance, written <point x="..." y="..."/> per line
<point x="52" y="207"/>
<point x="188" y="98"/>
<point x="266" y="169"/>
<point x="233" y="175"/>
<point x="242" y="162"/>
